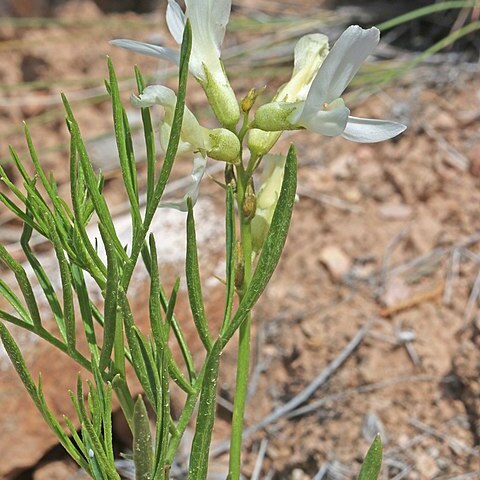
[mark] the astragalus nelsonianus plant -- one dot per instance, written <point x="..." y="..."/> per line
<point x="258" y="209"/>
<point x="208" y="19"/>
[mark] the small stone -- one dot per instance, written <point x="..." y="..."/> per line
<point x="353" y="195"/>
<point x="395" y="211"/>
<point x="444" y="121"/>
<point x="426" y="465"/>
<point x="336" y="261"/>
<point x="298" y="474"/>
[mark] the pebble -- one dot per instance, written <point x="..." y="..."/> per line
<point x="336" y="261"/>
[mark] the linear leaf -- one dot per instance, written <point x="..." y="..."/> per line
<point x="194" y="285"/>
<point x="273" y="246"/>
<point x="373" y="461"/>
<point x="198" y="468"/>
<point x="142" y="442"/>
<point x="149" y="139"/>
<point x="99" y="202"/>
<point x="110" y="306"/>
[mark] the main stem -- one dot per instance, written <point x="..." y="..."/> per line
<point x="243" y="362"/>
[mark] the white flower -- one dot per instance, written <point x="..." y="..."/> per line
<point x="208" y="19"/>
<point x="193" y="136"/>
<point x="218" y="143"/>
<point x="267" y="197"/>
<point x="193" y="139"/>
<point x="323" y="110"/>
<point x="192" y="188"/>
<point x="310" y="52"/>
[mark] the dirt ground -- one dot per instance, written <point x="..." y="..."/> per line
<point x="370" y="323"/>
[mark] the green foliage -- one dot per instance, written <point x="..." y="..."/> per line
<point x="373" y="461"/>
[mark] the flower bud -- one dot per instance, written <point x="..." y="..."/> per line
<point x="249" y="201"/>
<point x="221" y="98"/>
<point x="239" y="266"/>
<point x="230" y="178"/>
<point x="260" y="142"/>
<point x="224" y="145"/>
<point x="274" y="116"/>
<point x="249" y="100"/>
<point x="267" y="198"/>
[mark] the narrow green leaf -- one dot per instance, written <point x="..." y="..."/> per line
<point x="163" y="420"/>
<point x="170" y="155"/>
<point x="373" y="461"/>
<point x="82" y="210"/>
<point x="62" y="220"/>
<point x="159" y="329"/>
<point x="105" y="466"/>
<point x="229" y="256"/>
<point x="194" y="285"/>
<point x="41" y="275"/>
<point x="65" y="275"/>
<point x="142" y="442"/>
<point x="273" y="246"/>
<point x="110" y="306"/>
<point x="7" y="293"/>
<point x="122" y="391"/>
<point x="99" y="202"/>
<point x="78" y="282"/>
<point x="21" y="215"/>
<point x="149" y="139"/>
<point x="124" y="147"/>
<point x="155" y="314"/>
<point x="153" y="379"/>
<point x="198" y="466"/>
<point x="25" y="285"/>
<point x="16" y="357"/>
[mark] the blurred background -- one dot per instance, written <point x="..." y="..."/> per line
<point x="383" y="234"/>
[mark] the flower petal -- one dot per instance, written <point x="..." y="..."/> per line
<point x="209" y="19"/>
<point x="175" y="20"/>
<point x="148" y="49"/>
<point x="155" y="95"/>
<point x="330" y="122"/>
<point x="367" y="130"/>
<point x="342" y="63"/>
<point x="193" y="187"/>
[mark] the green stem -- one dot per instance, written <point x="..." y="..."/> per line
<point x="243" y="362"/>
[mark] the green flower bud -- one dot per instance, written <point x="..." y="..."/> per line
<point x="274" y="116"/>
<point x="260" y="142"/>
<point x="221" y="98"/>
<point x="224" y="145"/>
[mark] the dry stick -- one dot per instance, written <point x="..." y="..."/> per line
<point x="305" y="394"/>
<point x="322" y="472"/>
<point x="329" y="200"/>
<point x="257" y="471"/>
<point x="455" y="444"/>
<point x="362" y="389"/>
